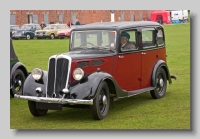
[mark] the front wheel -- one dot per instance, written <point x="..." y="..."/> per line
<point x="161" y="84"/>
<point x="36" y="112"/>
<point x="52" y="36"/>
<point x="28" y="36"/>
<point x="18" y="82"/>
<point x="101" y="104"/>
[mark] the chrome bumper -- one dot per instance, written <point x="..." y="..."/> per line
<point x="55" y="100"/>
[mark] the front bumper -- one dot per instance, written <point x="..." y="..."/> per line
<point x="18" y="36"/>
<point x="42" y="36"/>
<point x="62" y="35"/>
<point x="55" y="100"/>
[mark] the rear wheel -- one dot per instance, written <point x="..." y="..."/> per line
<point x="34" y="111"/>
<point x="161" y="84"/>
<point x="101" y="104"/>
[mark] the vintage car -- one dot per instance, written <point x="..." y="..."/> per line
<point x="18" y="73"/>
<point x="50" y="31"/>
<point x="66" y="32"/>
<point x="97" y="71"/>
<point x="13" y="28"/>
<point x="26" y="31"/>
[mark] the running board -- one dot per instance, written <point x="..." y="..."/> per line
<point x="133" y="93"/>
<point x="136" y="92"/>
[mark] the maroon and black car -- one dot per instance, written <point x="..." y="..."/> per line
<point x="96" y="69"/>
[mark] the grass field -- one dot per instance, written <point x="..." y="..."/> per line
<point x="138" y="112"/>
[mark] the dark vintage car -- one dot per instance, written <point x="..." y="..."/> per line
<point x="13" y="28"/>
<point x="97" y="71"/>
<point x="18" y="73"/>
<point x="27" y="31"/>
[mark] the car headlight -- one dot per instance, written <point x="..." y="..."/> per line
<point x="78" y="74"/>
<point x="37" y="74"/>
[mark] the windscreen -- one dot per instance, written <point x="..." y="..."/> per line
<point x="93" y="39"/>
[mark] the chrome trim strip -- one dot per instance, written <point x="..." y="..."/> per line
<point x="55" y="100"/>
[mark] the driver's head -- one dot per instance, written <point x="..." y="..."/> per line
<point x="124" y="37"/>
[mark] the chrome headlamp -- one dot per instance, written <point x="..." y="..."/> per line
<point x="37" y="74"/>
<point x="78" y="74"/>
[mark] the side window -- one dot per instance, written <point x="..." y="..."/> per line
<point x="128" y="40"/>
<point x="38" y="27"/>
<point x="148" y="38"/>
<point x="160" y="38"/>
<point x="57" y="27"/>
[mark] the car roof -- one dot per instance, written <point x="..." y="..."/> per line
<point x="32" y="24"/>
<point x="56" y="24"/>
<point x="117" y="25"/>
<point x="14" y="25"/>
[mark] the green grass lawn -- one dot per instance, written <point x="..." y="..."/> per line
<point x="137" y="112"/>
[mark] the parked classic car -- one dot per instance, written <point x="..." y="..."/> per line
<point x="50" y="31"/>
<point x="97" y="71"/>
<point x="26" y="31"/>
<point x="66" y="32"/>
<point x="13" y="28"/>
<point x="18" y="73"/>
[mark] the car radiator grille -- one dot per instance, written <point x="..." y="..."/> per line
<point x="57" y="76"/>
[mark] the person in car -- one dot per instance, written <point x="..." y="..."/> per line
<point x="125" y="43"/>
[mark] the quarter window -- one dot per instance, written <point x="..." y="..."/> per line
<point x="160" y="38"/>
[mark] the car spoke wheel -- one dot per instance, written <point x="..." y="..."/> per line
<point x="34" y="111"/>
<point x="52" y="36"/>
<point x="101" y="104"/>
<point x="18" y="82"/>
<point x="28" y="37"/>
<point x="161" y="84"/>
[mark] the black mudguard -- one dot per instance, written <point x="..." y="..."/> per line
<point x="158" y="65"/>
<point x="87" y="87"/>
<point x="30" y="85"/>
<point x="14" y="67"/>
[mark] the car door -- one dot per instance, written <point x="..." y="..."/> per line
<point x="128" y="72"/>
<point x="150" y="54"/>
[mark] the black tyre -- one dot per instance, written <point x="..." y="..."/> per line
<point x="161" y="84"/>
<point x="18" y="82"/>
<point x="52" y="36"/>
<point x="101" y="104"/>
<point x="28" y="36"/>
<point x="36" y="112"/>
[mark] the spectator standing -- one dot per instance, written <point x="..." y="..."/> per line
<point x="77" y="22"/>
<point x="43" y="25"/>
<point x="70" y="24"/>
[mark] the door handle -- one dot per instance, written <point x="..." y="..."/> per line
<point x="121" y="56"/>
<point x="143" y="53"/>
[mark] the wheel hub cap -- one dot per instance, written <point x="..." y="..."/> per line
<point x="161" y="82"/>
<point x="104" y="100"/>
